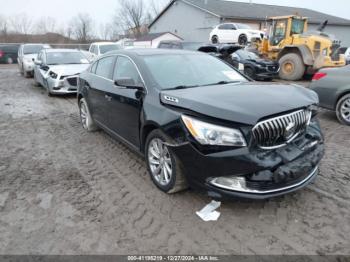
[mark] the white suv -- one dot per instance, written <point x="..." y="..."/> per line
<point x="100" y="48"/>
<point x="234" y="33"/>
<point x="26" y="54"/>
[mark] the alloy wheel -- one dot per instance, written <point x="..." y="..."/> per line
<point x="160" y="162"/>
<point x="345" y="110"/>
<point x="83" y="115"/>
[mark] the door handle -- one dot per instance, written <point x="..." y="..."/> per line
<point x="108" y="98"/>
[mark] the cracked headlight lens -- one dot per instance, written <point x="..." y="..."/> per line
<point x="311" y="112"/>
<point x="209" y="134"/>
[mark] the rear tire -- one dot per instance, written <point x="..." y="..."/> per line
<point x="242" y="40"/>
<point x="85" y="116"/>
<point x="159" y="157"/>
<point x="292" y="67"/>
<point x="343" y="110"/>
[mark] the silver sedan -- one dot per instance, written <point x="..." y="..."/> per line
<point x="58" y="70"/>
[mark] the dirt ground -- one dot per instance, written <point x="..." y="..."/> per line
<point x="66" y="191"/>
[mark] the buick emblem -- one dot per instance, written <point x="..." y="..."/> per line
<point x="289" y="131"/>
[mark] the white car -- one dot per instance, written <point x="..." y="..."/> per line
<point x="234" y="33"/>
<point x="27" y="53"/>
<point x="99" y="48"/>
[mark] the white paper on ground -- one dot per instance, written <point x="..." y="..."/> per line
<point x="208" y="212"/>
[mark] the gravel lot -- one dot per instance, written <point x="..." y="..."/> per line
<point x="66" y="191"/>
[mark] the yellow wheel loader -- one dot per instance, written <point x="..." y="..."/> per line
<point x="298" y="51"/>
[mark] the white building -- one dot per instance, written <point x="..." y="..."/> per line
<point x="152" y="40"/>
<point x="193" y="20"/>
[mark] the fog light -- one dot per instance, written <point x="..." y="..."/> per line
<point x="230" y="183"/>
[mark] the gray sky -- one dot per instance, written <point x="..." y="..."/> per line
<point x="102" y="10"/>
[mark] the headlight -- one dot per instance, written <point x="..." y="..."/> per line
<point x="209" y="134"/>
<point x="311" y="112"/>
<point x="53" y="75"/>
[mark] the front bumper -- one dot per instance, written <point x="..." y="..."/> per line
<point x="267" y="173"/>
<point x="28" y="67"/>
<point x="67" y="85"/>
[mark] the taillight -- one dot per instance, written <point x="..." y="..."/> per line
<point x="1" y="53"/>
<point x="318" y="76"/>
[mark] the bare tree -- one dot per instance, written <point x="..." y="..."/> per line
<point x="45" y="25"/>
<point x="106" y="31"/>
<point x="155" y="7"/>
<point x="82" y="27"/>
<point x="131" y="15"/>
<point x="4" y="25"/>
<point x="22" y="24"/>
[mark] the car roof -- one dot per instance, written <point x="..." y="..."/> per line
<point x="151" y="51"/>
<point x="35" y="44"/>
<point x="62" y="50"/>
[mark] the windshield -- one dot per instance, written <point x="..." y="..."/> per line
<point x="245" y="55"/>
<point x="243" y="26"/>
<point x="62" y="58"/>
<point x="192" y="46"/>
<point x="175" y="70"/>
<point x="32" y="49"/>
<point x="107" y="48"/>
<point x="297" y="26"/>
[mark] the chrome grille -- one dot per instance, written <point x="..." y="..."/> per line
<point x="278" y="131"/>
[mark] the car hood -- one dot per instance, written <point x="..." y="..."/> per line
<point x="263" y="62"/>
<point x="67" y="70"/>
<point x="244" y="103"/>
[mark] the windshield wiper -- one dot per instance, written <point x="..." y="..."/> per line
<point x="222" y="83"/>
<point x="182" y="87"/>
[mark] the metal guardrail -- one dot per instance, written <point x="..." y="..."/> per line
<point x="58" y="45"/>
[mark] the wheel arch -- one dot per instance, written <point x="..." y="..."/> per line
<point x="339" y="96"/>
<point x="302" y="50"/>
<point x="146" y="129"/>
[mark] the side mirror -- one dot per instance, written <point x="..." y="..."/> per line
<point x="128" y="83"/>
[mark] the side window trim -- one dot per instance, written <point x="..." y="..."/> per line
<point x="111" y="71"/>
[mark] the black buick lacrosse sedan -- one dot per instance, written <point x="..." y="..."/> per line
<point x="200" y="123"/>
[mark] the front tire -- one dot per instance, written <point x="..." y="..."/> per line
<point x="215" y="39"/>
<point x="163" y="166"/>
<point x="26" y="74"/>
<point x="292" y="67"/>
<point x="250" y="72"/>
<point x="85" y="116"/>
<point x="343" y="110"/>
<point x="36" y="83"/>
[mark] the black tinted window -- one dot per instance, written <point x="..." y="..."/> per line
<point x="125" y="68"/>
<point x="227" y="26"/>
<point x="104" y="67"/>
